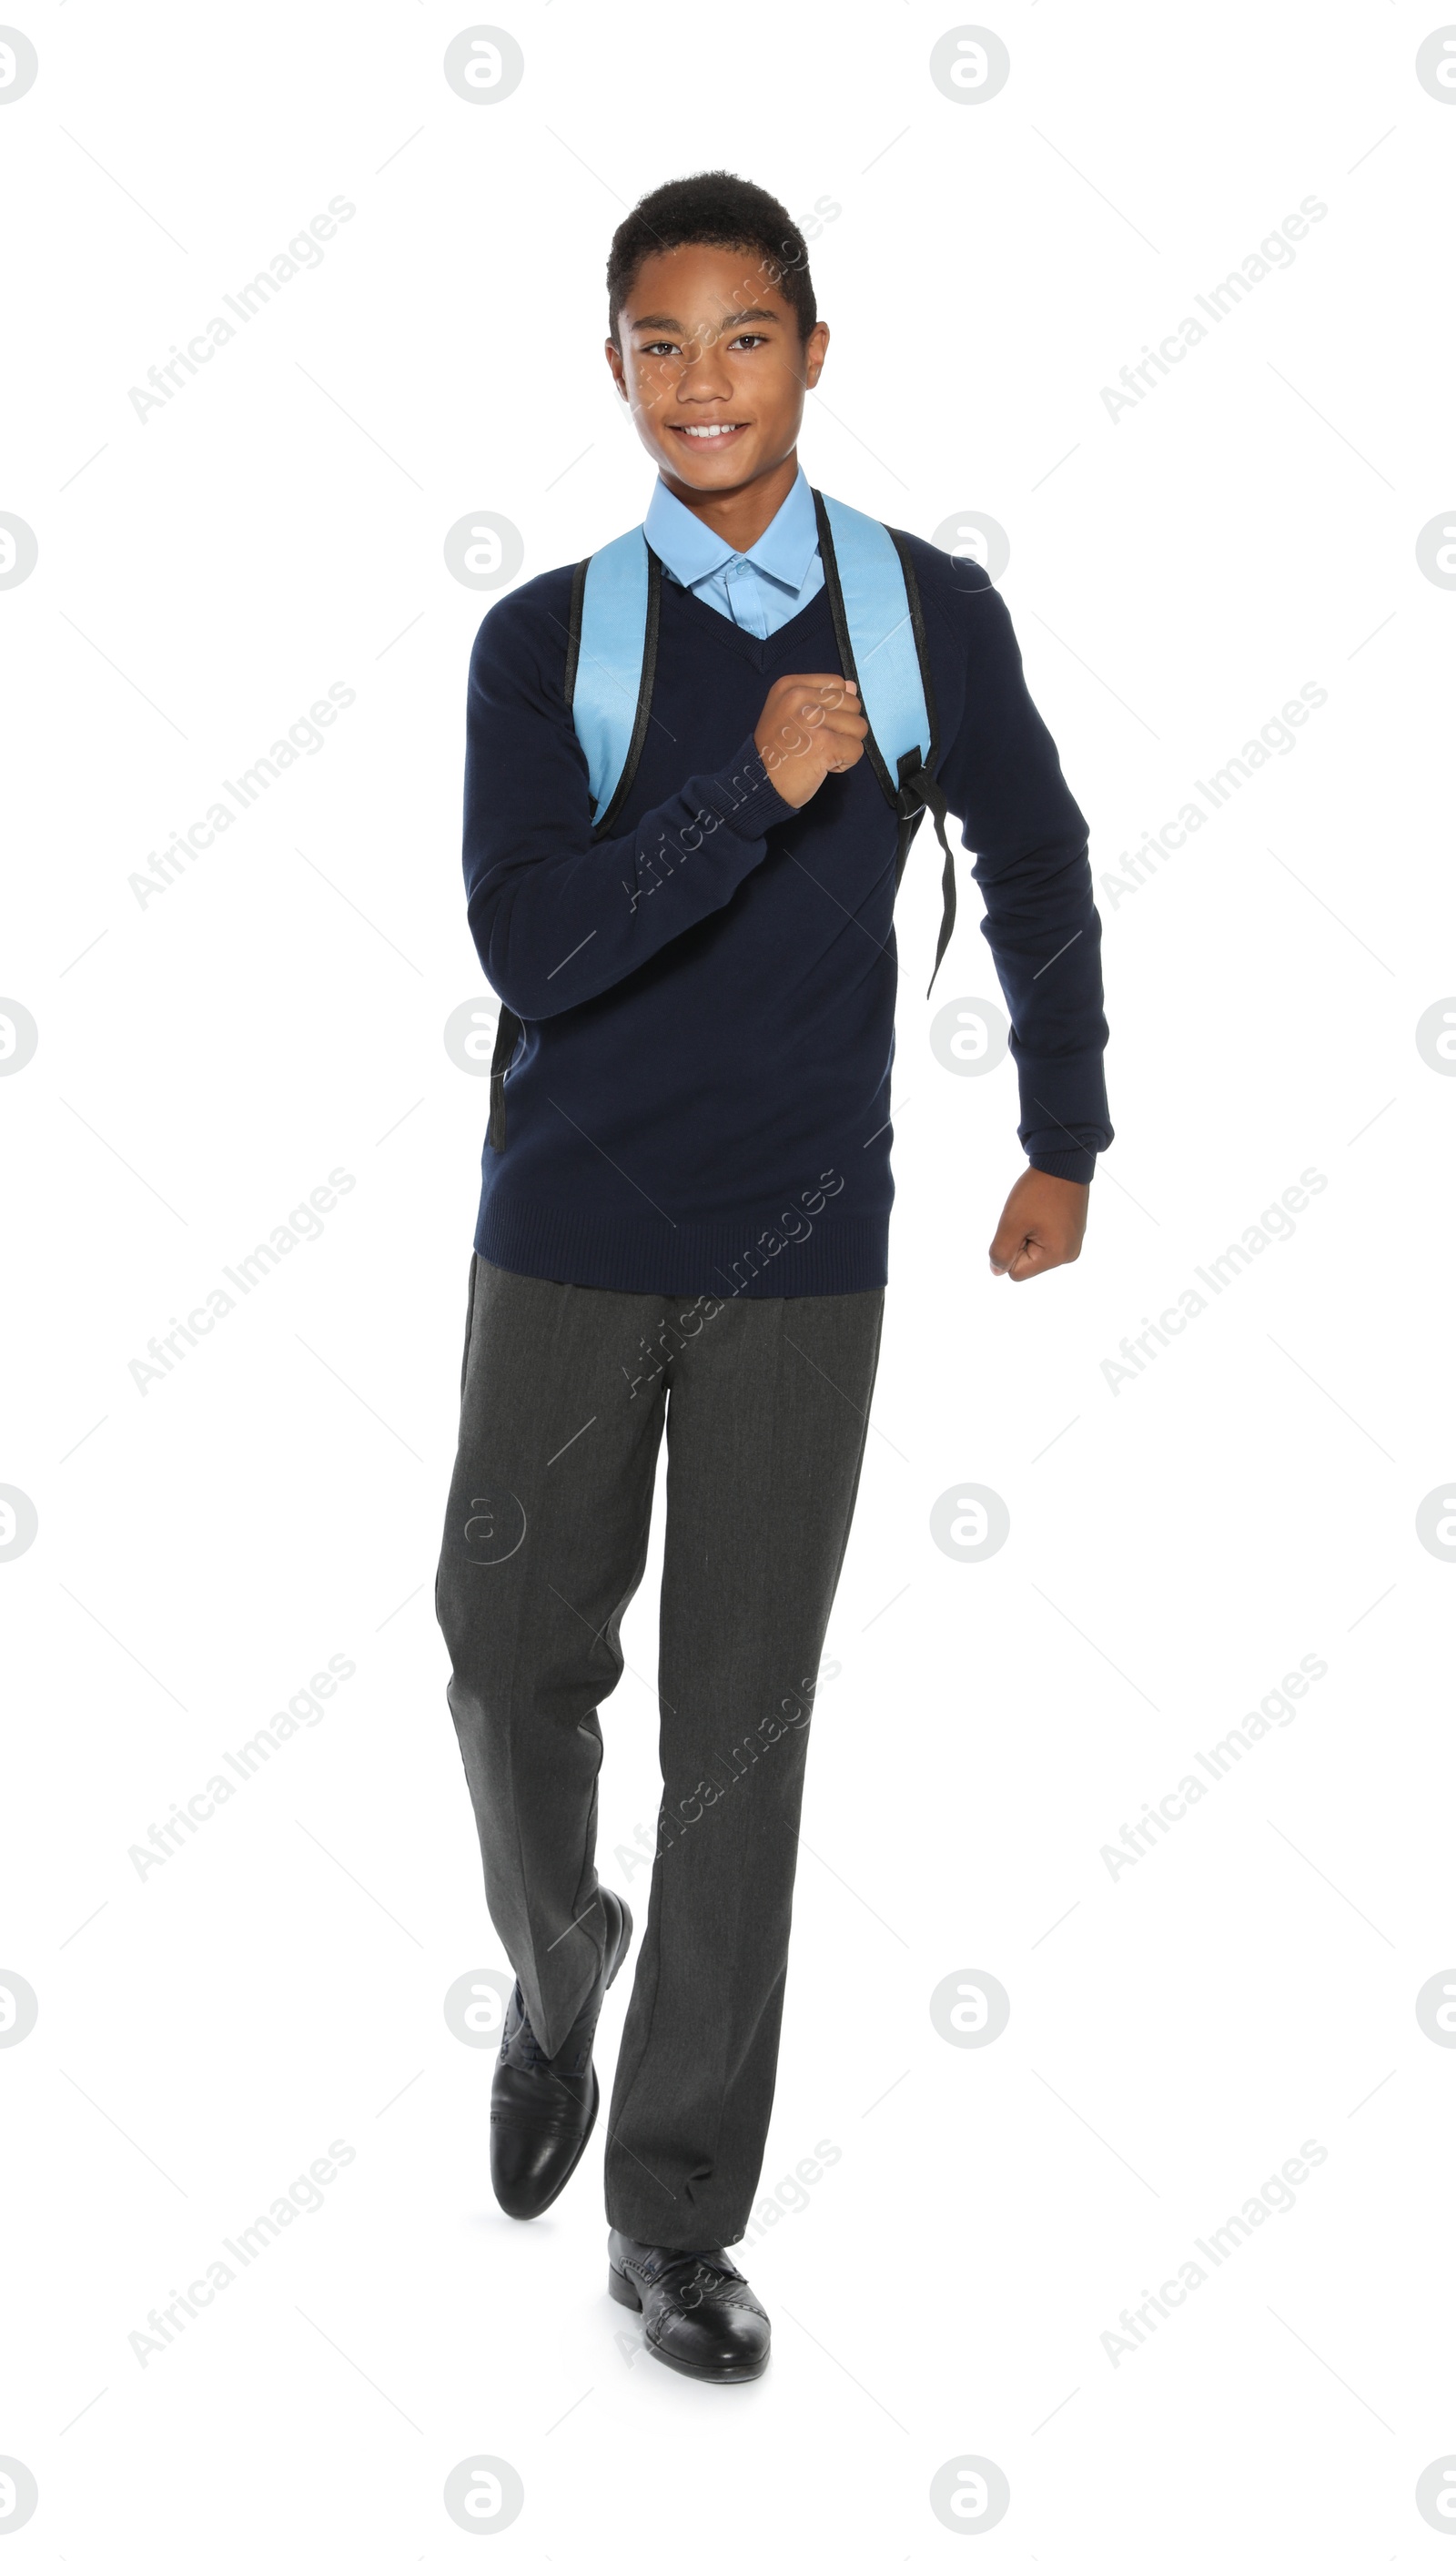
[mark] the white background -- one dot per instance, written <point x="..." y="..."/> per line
<point x="1176" y="1547"/>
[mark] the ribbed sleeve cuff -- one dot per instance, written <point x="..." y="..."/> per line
<point x="1072" y="1164"/>
<point x="743" y="796"/>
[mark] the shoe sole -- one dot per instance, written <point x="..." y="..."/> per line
<point x="574" y="2164"/>
<point x="622" y="2291"/>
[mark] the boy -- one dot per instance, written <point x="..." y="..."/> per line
<point x="685" y="1208"/>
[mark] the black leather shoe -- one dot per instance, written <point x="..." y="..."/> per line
<point x="697" y="2314"/>
<point x="543" y="2107"/>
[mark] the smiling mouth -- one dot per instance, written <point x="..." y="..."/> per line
<point x="710" y="435"/>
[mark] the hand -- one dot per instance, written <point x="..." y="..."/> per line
<point x="810" y="726"/>
<point x="1043" y="1224"/>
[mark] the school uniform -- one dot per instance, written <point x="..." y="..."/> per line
<point x="684" y="1224"/>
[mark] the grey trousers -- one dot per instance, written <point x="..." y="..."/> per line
<point x="564" y="1395"/>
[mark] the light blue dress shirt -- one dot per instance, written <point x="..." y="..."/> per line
<point x="760" y="588"/>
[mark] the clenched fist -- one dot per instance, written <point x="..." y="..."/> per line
<point x="810" y="726"/>
<point x="1043" y="1224"/>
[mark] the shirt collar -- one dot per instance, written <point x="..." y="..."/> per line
<point x="691" y="551"/>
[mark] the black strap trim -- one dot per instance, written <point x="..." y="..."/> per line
<point x="912" y="789"/>
<point x="605" y="820"/>
<point x="922" y="646"/>
<point x="507" y="1032"/>
<point x="834" y="594"/>
<point x="574" y="629"/>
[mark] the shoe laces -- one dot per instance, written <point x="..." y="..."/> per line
<point x="519" y="2040"/>
<point x="714" y="2263"/>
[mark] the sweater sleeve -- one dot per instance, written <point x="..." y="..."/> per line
<point x="556" y="918"/>
<point x="1003" y="781"/>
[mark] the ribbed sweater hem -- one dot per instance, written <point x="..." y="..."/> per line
<point x="722" y="1260"/>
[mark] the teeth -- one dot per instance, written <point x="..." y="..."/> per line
<point x="705" y="431"/>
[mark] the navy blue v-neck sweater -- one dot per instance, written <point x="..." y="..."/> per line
<point x="700" y="1099"/>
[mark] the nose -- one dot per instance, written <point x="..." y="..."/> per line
<point x="706" y="375"/>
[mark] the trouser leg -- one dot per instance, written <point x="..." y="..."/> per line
<point x="767" y="1414"/>
<point x="544" y="1542"/>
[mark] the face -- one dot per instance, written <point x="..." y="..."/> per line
<point x="713" y="366"/>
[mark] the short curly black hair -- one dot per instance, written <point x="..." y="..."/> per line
<point x="713" y="210"/>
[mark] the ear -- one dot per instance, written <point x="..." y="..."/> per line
<point x="816" y="348"/>
<point x="618" y="371"/>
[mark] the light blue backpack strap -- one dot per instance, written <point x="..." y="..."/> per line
<point x="612" y="659"/>
<point x="883" y="640"/>
<point x="875" y="600"/>
<point x="610" y="667"/>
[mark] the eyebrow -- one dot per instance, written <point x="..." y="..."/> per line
<point x="733" y="320"/>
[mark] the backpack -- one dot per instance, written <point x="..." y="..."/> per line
<point x="612" y="661"/>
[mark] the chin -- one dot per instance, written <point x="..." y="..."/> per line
<point x="711" y="471"/>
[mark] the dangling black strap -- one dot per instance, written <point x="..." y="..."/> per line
<point x="507" y="1032"/>
<point x="919" y="792"/>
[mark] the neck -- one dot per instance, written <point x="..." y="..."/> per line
<point x="739" y="516"/>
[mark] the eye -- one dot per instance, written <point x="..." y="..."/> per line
<point x="750" y="338"/>
<point x="658" y="347"/>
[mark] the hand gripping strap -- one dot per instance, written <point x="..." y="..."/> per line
<point x="872" y="610"/>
